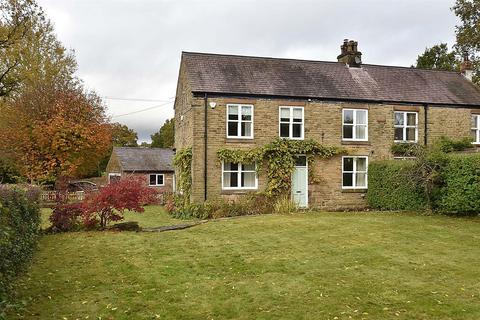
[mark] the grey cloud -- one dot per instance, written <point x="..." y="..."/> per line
<point x="132" y="48"/>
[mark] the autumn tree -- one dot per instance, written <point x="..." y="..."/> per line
<point x="164" y="138"/>
<point x="438" y="57"/>
<point x="30" y="53"/>
<point x="54" y="132"/>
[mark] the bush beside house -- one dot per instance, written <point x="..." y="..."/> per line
<point x="452" y="184"/>
<point x="460" y="192"/>
<point x="19" y="229"/>
<point x="390" y="186"/>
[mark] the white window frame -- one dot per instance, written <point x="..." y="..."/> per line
<point x="405" y="126"/>
<point x="239" y="177"/>
<point x="239" y="121"/>
<point x="476" y="128"/>
<point x="290" y="122"/>
<point x="354" y="182"/>
<point x="354" y="125"/>
<point x="114" y="174"/>
<point x="156" y="180"/>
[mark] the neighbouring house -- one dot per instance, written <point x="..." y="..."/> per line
<point x="239" y="102"/>
<point x="154" y="164"/>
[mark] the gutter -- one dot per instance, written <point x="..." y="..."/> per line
<point x="399" y="102"/>
<point x="205" y="139"/>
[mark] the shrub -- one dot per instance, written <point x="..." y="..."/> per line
<point x="406" y="149"/>
<point x="249" y="204"/>
<point x="285" y="205"/>
<point x="460" y="193"/>
<point x="447" y="145"/>
<point x="66" y="217"/>
<point x="112" y="200"/>
<point x="19" y="228"/>
<point x="390" y="186"/>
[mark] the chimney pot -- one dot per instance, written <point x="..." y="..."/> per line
<point x="350" y="54"/>
<point x="466" y="67"/>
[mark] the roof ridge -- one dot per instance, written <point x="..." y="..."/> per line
<point x="310" y="60"/>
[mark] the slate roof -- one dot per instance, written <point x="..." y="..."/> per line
<point x="244" y="75"/>
<point x="145" y="159"/>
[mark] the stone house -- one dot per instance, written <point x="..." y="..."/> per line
<point x="154" y="164"/>
<point x="239" y="102"/>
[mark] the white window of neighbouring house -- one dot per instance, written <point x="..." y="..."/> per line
<point x="355" y="124"/>
<point x="239" y="121"/>
<point x="156" y="180"/>
<point x="114" y="177"/>
<point x="238" y="176"/>
<point x="354" y="172"/>
<point x="291" y="122"/>
<point x="406" y="126"/>
<point x="476" y="128"/>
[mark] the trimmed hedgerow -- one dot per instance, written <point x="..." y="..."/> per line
<point x="460" y="191"/>
<point x="19" y="229"/>
<point x="390" y="186"/>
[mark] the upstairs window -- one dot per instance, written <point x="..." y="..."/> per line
<point x="238" y="176"/>
<point x="156" y="180"/>
<point x="291" y="123"/>
<point x="355" y="124"/>
<point x="354" y="172"/>
<point x="476" y="128"/>
<point x="239" y="121"/>
<point x="406" y="126"/>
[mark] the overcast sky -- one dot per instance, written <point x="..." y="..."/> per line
<point x="131" y="48"/>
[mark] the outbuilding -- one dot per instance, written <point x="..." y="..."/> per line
<point x="154" y="164"/>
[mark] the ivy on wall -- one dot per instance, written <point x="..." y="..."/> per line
<point x="183" y="162"/>
<point x="279" y="157"/>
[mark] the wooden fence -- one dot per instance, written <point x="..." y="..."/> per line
<point x="51" y="196"/>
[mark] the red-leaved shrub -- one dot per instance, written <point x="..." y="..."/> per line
<point x="111" y="201"/>
<point x="66" y="217"/>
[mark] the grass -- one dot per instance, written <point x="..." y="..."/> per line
<point x="302" y="266"/>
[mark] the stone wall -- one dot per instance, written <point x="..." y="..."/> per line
<point x="323" y="123"/>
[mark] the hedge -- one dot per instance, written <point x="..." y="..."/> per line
<point x="460" y="191"/>
<point x="19" y="229"/>
<point x="390" y="188"/>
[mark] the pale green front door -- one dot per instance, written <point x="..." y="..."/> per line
<point x="300" y="183"/>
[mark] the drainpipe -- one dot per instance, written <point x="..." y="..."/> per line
<point x="205" y="150"/>
<point x="425" y="132"/>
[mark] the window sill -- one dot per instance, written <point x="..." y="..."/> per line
<point x="405" y="142"/>
<point x="356" y="142"/>
<point x="239" y="140"/>
<point x="354" y="190"/>
<point x="244" y="191"/>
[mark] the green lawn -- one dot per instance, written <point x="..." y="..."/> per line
<point x="303" y="266"/>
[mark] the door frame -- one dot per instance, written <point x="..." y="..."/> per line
<point x="306" y="179"/>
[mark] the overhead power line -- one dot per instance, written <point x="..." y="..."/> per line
<point x="142" y="110"/>
<point x="134" y="99"/>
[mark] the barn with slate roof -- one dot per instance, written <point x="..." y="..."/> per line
<point x="154" y="164"/>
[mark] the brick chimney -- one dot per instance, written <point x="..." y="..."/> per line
<point x="466" y="67"/>
<point x="350" y="54"/>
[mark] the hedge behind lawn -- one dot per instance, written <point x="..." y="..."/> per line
<point x="390" y="188"/>
<point x="19" y="229"/>
<point x="460" y="192"/>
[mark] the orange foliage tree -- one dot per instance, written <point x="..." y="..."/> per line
<point x="54" y="131"/>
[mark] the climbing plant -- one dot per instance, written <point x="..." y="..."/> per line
<point x="183" y="162"/>
<point x="278" y="157"/>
